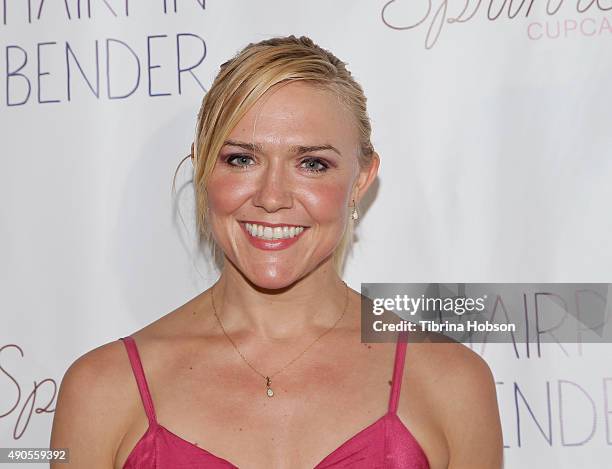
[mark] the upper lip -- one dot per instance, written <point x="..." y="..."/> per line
<point x="271" y="225"/>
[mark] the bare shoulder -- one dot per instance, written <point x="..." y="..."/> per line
<point x="98" y="401"/>
<point x="94" y="405"/>
<point x="451" y="363"/>
<point x="462" y="397"/>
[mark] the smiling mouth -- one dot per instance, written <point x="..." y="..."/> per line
<point x="272" y="233"/>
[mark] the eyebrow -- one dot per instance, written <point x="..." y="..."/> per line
<point x="297" y="149"/>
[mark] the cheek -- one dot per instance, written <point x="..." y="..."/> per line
<point x="327" y="203"/>
<point x="227" y="193"/>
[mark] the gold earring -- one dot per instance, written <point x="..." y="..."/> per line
<point x="355" y="212"/>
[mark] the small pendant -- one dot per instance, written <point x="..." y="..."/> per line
<point x="269" y="391"/>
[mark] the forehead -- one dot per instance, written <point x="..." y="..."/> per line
<point x="298" y="113"/>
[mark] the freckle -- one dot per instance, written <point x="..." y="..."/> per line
<point x="240" y="429"/>
<point x="389" y="382"/>
<point x="369" y="346"/>
<point x="191" y="368"/>
<point x="195" y="443"/>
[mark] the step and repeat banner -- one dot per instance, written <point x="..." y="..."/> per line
<point x="492" y="120"/>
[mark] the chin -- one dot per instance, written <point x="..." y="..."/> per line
<point x="274" y="282"/>
<point x="271" y="280"/>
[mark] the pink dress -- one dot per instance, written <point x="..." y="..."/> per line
<point x="385" y="443"/>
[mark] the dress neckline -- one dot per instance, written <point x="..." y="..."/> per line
<point x="364" y="430"/>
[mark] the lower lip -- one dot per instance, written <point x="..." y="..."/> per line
<point x="271" y="244"/>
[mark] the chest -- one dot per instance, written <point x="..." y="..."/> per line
<point x="320" y="410"/>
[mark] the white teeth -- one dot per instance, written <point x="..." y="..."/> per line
<point x="278" y="232"/>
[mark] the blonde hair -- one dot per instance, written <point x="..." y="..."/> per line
<point x="244" y="79"/>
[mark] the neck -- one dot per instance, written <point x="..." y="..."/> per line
<point x="311" y="304"/>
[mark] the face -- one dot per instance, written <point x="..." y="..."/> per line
<point x="280" y="191"/>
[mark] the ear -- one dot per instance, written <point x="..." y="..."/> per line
<point x="366" y="178"/>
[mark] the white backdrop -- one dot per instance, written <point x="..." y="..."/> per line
<point x="495" y="143"/>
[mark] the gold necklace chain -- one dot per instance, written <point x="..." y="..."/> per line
<point x="268" y="378"/>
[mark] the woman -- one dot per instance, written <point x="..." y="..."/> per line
<point x="266" y="368"/>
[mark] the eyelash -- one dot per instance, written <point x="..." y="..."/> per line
<point x="323" y="163"/>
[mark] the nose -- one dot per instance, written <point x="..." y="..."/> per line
<point x="273" y="188"/>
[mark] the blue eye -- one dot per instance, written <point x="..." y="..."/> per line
<point x="241" y="160"/>
<point x="318" y="167"/>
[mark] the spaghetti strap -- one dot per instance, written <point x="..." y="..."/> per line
<point x="398" y="371"/>
<point x="141" y="381"/>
